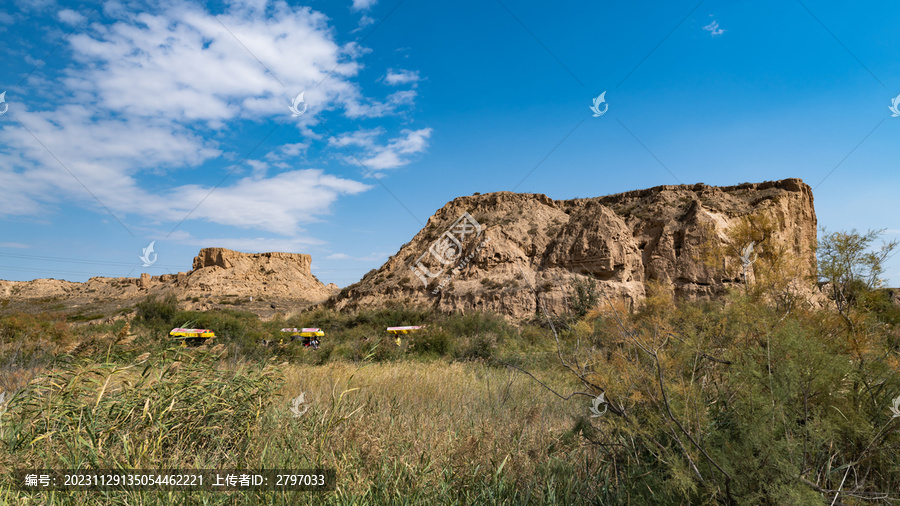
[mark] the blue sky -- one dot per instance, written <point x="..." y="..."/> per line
<point x="130" y="122"/>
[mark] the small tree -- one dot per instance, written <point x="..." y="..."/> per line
<point x="846" y="262"/>
<point x="584" y="296"/>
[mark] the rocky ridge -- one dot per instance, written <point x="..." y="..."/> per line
<point x="510" y="253"/>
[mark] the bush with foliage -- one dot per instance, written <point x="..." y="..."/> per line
<point x="157" y="312"/>
<point x="743" y="401"/>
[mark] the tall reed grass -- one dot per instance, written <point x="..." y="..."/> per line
<point x="396" y="432"/>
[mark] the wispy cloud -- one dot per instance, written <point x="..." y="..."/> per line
<point x="361" y="5"/>
<point x="395" y="78"/>
<point x="35" y="5"/>
<point x="364" y="21"/>
<point x="376" y="109"/>
<point x="397" y="152"/>
<point x="288" y="151"/>
<point x="278" y="204"/>
<point x="69" y="16"/>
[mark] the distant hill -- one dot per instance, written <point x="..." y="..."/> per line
<point x="217" y="273"/>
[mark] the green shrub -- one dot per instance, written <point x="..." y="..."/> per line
<point x="30" y="340"/>
<point x="157" y="312"/>
<point x="739" y="402"/>
<point x="432" y="342"/>
<point x="880" y="304"/>
<point x="533" y="335"/>
<point x="584" y="296"/>
<point x="84" y="317"/>
<point x="469" y="324"/>
<point x="481" y="346"/>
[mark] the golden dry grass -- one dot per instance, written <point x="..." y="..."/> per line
<point x="393" y="429"/>
<point x="432" y="419"/>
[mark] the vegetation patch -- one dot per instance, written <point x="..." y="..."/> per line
<point x="760" y="397"/>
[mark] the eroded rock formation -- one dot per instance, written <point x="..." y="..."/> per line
<point x="512" y="252"/>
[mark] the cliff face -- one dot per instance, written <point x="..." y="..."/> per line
<point x="222" y="270"/>
<point x="216" y="271"/>
<point x="493" y="251"/>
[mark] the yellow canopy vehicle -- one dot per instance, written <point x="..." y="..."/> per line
<point x="309" y="336"/>
<point x="398" y="331"/>
<point x="193" y="337"/>
<point x="404" y="330"/>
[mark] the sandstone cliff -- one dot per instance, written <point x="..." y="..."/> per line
<point x="276" y="274"/>
<point x="510" y="246"/>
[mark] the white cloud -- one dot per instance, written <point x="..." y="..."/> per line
<point x="33" y="5"/>
<point x="69" y="16"/>
<point x="16" y="245"/>
<point x="361" y="5"/>
<point x="376" y="109"/>
<point x="397" y="152"/>
<point x="185" y="64"/>
<point x="277" y="204"/>
<point x="259" y="168"/>
<point x="102" y="153"/>
<point x="713" y="28"/>
<point x="155" y="93"/>
<point x="401" y="77"/>
<point x="361" y="138"/>
<point x="364" y="22"/>
<point x="288" y="151"/>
